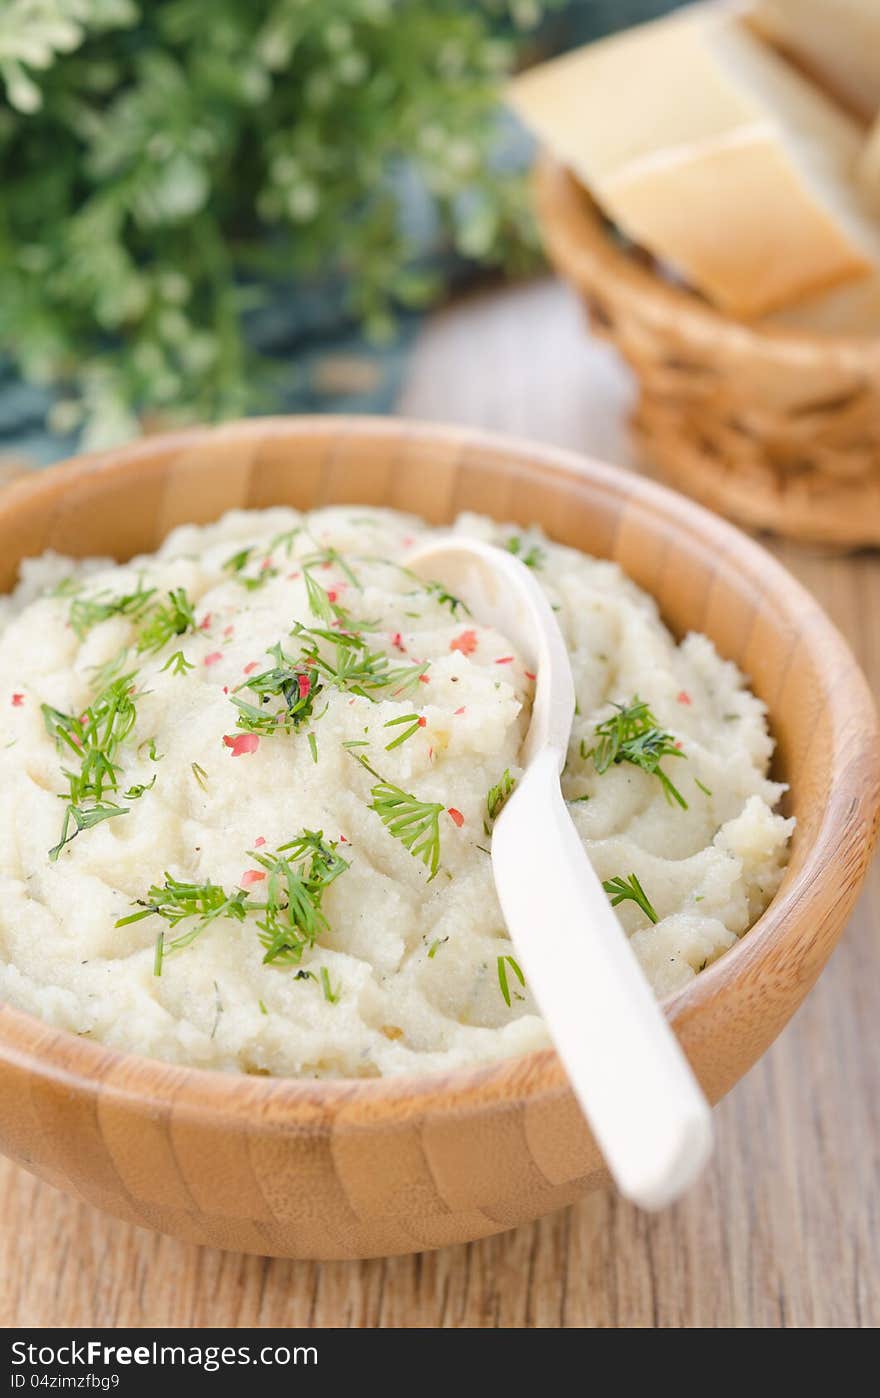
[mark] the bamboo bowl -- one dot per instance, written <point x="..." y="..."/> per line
<point x="360" y="1168"/>
<point x="779" y="429"/>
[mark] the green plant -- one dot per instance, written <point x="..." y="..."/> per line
<point x="162" y="161"/>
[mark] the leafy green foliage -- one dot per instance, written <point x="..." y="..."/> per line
<point x="160" y="165"/>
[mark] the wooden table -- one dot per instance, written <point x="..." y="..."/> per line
<point x="784" y="1230"/>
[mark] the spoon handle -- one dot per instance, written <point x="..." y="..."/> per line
<point x="628" y="1072"/>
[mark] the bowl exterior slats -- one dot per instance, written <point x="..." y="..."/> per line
<point x="351" y="1169"/>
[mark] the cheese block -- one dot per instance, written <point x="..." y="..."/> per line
<point x="836" y="40"/>
<point x="713" y="152"/>
<point x="853" y="309"/>
<point x="869" y="164"/>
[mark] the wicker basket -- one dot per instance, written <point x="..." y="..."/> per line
<point x="780" y="430"/>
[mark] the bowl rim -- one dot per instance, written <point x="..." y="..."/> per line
<point x="73" y="1063"/>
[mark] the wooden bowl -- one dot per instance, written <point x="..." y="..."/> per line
<point x="779" y="429"/>
<point x="360" y="1168"/>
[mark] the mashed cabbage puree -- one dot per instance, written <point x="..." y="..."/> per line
<point x="271" y="818"/>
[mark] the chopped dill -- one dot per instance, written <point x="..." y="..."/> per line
<point x="415" y="823"/>
<point x="329" y="993"/>
<point x="165" y="620"/>
<point x="532" y="556"/>
<point x="87" y="612"/>
<point x="497" y="797"/>
<point x="318" y="599"/>
<point x="414" y="722"/>
<point x="353" y="667"/>
<point x="251" y="581"/>
<point x="134" y="793"/>
<point x="503" y="963"/>
<point x="295" y="684"/>
<point x="297" y="876"/>
<point x="177" y="664"/>
<point x="94" y="739"/>
<point x="326" y="558"/>
<point x="440" y="595"/>
<point x="200" y="775"/>
<point x="286" y="540"/>
<point x="620" y="890"/>
<point x="177" y="901"/>
<point x="633" y="735"/>
<point x="157" y="622"/>
<point x="289" y="916"/>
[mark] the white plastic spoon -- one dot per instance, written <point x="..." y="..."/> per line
<point x="626" y="1068"/>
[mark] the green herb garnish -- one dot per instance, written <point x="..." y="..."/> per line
<point x="329" y="993"/>
<point x="289" y="914"/>
<point x="293" y="682"/>
<point x="503" y="963"/>
<point x="326" y="558"/>
<point x="532" y="557"/>
<point x="414" y="723"/>
<point x="497" y="797"/>
<point x="353" y="667"/>
<point x="178" y="664"/>
<point x="415" y="823"/>
<point x="177" y="901"/>
<point x="440" y="595"/>
<point x="165" y="620"/>
<point x="286" y="539"/>
<point x="318" y="599"/>
<point x="297" y="877"/>
<point x="620" y="890"/>
<point x="134" y="793"/>
<point x="157" y="622"/>
<point x="87" y="612"/>
<point x="633" y="735"/>
<point x="251" y="581"/>
<point x="94" y="739"/>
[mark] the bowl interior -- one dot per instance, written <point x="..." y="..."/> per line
<point x="705" y="575"/>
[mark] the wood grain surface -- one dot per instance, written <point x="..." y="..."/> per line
<point x="784" y="1228"/>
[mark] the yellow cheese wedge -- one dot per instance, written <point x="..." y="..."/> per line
<point x="869" y="164"/>
<point x="713" y="152"/>
<point x="853" y="309"/>
<point x="837" y="40"/>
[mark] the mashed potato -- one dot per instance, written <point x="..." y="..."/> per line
<point x="249" y="784"/>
